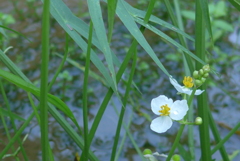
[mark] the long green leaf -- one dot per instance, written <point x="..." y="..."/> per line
<point x="85" y="95"/>
<point x="96" y="17"/>
<point x="44" y="82"/>
<point x="6" y="113"/>
<point x="112" y="4"/>
<point x="136" y="14"/>
<point x="169" y="39"/>
<point x="204" y="7"/>
<point x="130" y="24"/>
<point x="82" y="68"/>
<point x="202" y="99"/>
<point x="34" y="90"/>
<point x="187" y="61"/>
<point x="69" y="23"/>
<point x="59" y="118"/>
<point x="235" y="3"/>
<point x="18" y="33"/>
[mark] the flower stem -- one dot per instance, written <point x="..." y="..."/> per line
<point x="176" y="141"/>
<point x="179" y="134"/>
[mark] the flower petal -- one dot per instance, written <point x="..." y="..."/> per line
<point x="198" y="92"/>
<point x="157" y="102"/>
<point x="183" y="89"/>
<point x="175" y="84"/>
<point x="178" y="109"/>
<point x="161" y="124"/>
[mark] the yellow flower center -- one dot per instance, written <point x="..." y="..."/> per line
<point x="188" y="82"/>
<point x="165" y="110"/>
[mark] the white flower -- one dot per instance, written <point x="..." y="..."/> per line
<point x="185" y="89"/>
<point x="167" y="111"/>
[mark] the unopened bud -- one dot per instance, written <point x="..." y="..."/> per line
<point x="205" y="75"/>
<point x="198" y="82"/>
<point x="195" y="74"/>
<point x="203" y="80"/>
<point x="147" y="151"/>
<point x="206" y="68"/>
<point x="201" y="72"/>
<point x="198" y="121"/>
<point x="176" y="157"/>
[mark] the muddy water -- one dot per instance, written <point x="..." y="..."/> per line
<point x="150" y="81"/>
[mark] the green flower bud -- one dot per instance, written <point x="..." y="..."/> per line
<point x="205" y="75"/>
<point x="201" y="72"/>
<point x="203" y="80"/>
<point x="198" y="82"/>
<point x="206" y="68"/>
<point x="147" y="151"/>
<point x="195" y="74"/>
<point x="176" y="157"/>
<point x="198" y="121"/>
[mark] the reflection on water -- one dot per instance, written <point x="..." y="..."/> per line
<point x="150" y="81"/>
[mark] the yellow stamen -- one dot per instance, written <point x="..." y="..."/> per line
<point x="165" y="110"/>
<point x="188" y="82"/>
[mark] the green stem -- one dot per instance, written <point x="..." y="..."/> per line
<point x="12" y="121"/>
<point x="179" y="134"/>
<point x="225" y="139"/>
<point x="146" y="18"/>
<point x="61" y="64"/>
<point x="202" y="99"/>
<point x="186" y="57"/>
<point x="85" y="92"/>
<point x="113" y="154"/>
<point x="44" y="81"/>
<point x="18" y="133"/>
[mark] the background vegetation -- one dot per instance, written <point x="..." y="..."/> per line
<point x="90" y="68"/>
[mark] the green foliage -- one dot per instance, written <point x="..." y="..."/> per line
<point x="126" y="73"/>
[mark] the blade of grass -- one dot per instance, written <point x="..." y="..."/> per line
<point x="201" y="99"/>
<point x="235" y="3"/>
<point x="132" y="27"/>
<point x="130" y="136"/>
<point x="12" y="119"/>
<point x="72" y="25"/>
<point x="188" y="69"/>
<point x="128" y="88"/>
<point x="186" y="58"/>
<point x="191" y="143"/>
<point x="63" y="123"/>
<point x="125" y="98"/>
<point x="35" y="109"/>
<point x="226" y="138"/>
<point x="179" y="134"/>
<point x="85" y="93"/>
<point x="82" y="68"/>
<point x="135" y="13"/>
<point x="108" y="96"/>
<point x="5" y="127"/>
<point x="44" y="81"/>
<point x="34" y="90"/>
<point x="97" y="20"/>
<point x="184" y="154"/>
<point x="16" y="136"/>
<point x="120" y="148"/>
<point x="18" y="33"/>
<point x="217" y="137"/>
<point x="16" y="117"/>
<point x="110" y="92"/>
<point x="61" y="64"/>
<point x="112" y="4"/>
<point x="204" y="8"/>
<point x="169" y="39"/>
